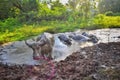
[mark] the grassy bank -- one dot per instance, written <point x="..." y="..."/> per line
<point x="13" y="30"/>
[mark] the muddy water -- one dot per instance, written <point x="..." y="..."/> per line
<point x="18" y="53"/>
<point x="107" y="35"/>
<point x="61" y="51"/>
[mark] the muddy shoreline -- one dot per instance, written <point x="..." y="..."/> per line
<point x="98" y="62"/>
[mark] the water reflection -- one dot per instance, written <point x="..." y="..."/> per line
<point x="60" y="50"/>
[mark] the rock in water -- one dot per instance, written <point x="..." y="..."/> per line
<point x="79" y="38"/>
<point x="92" y="37"/>
<point x="66" y="40"/>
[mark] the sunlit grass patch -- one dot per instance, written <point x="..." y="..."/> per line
<point x="21" y="33"/>
<point x="102" y="21"/>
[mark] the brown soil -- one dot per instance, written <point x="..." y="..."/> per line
<point x="99" y="62"/>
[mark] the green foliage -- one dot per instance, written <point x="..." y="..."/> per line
<point x="55" y="12"/>
<point x="109" y="5"/>
<point x="9" y="24"/>
<point x="24" y="31"/>
<point x="102" y="21"/>
<point x="109" y="13"/>
<point x="20" y="19"/>
<point x="5" y="9"/>
<point x="116" y="14"/>
<point x="81" y="6"/>
<point x="21" y="33"/>
<point x="28" y="10"/>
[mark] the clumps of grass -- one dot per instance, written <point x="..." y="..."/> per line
<point x="102" y="21"/>
<point x="24" y="32"/>
<point x="9" y="24"/>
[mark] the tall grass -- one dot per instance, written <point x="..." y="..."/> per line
<point x="103" y="21"/>
<point x="21" y="33"/>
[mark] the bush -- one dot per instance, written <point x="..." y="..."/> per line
<point x="117" y="14"/>
<point x="102" y="21"/>
<point x="9" y="24"/>
<point x="109" y="13"/>
<point x="23" y="32"/>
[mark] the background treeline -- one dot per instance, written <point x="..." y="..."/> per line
<point x="20" y="19"/>
<point x="31" y="10"/>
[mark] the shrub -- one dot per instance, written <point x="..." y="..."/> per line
<point x="102" y="21"/>
<point x="117" y="14"/>
<point x="109" y="13"/>
<point x="9" y="24"/>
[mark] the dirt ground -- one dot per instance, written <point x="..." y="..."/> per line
<point x="99" y="62"/>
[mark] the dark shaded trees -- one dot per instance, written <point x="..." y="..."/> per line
<point x="109" y="5"/>
<point x="5" y="9"/>
<point x="14" y="8"/>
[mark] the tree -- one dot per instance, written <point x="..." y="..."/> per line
<point x="13" y="8"/>
<point x="28" y="9"/>
<point x="81" y="6"/>
<point x="51" y="11"/>
<point x="5" y="9"/>
<point x="73" y="4"/>
<point x="109" y="5"/>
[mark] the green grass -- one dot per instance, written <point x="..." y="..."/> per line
<point x="107" y="21"/>
<point x="24" y="32"/>
<point x="12" y="30"/>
